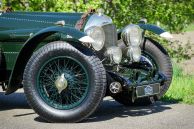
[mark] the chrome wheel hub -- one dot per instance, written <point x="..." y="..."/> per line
<point x="61" y="83"/>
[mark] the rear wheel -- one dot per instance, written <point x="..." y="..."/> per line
<point x="163" y="64"/>
<point x="62" y="84"/>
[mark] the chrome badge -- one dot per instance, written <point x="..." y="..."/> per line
<point x="148" y="90"/>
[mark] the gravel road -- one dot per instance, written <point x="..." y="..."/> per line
<point x="16" y="114"/>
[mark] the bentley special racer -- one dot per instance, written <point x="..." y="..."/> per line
<point x="68" y="62"/>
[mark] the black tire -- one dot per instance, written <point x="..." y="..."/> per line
<point x="1" y="67"/>
<point x="165" y="66"/>
<point x="0" y="59"/>
<point x="97" y="83"/>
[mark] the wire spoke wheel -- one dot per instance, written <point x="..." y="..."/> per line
<point x="62" y="84"/>
<point x="73" y="82"/>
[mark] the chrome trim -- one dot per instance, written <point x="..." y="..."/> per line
<point x="86" y="39"/>
<point x="60" y="23"/>
<point x="125" y="35"/>
<point x="97" y="20"/>
<point x="110" y="35"/>
<point x="156" y="88"/>
<point x="166" y="35"/>
<point x="115" y="54"/>
<point x="134" y="50"/>
<point x="130" y="54"/>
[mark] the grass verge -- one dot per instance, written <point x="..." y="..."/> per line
<point x="181" y="89"/>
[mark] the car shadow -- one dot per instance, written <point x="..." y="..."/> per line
<point x="109" y="109"/>
<point x="13" y="101"/>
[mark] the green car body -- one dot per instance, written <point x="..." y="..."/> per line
<point x="36" y="48"/>
<point x="18" y="31"/>
<point x="17" y="28"/>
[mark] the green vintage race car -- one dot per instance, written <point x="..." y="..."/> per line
<point x="68" y="62"/>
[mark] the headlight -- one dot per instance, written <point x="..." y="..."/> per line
<point x="134" y="53"/>
<point x="115" y="54"/>
<point x="132" y="35"/>
<point x="97" y="34"/>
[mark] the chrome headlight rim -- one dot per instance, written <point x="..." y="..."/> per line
<point x="99" y="37"/>
<point x="128" y="35"/>
<point x="134" y="53"/>
<point x="115" y="54"/>
<point x="132" y="36"/>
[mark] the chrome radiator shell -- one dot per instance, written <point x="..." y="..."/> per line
<point x="110" y="35"/>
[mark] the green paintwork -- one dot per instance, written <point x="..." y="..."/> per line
<point x="77" y="82"/>
<point x="21" y="33"/>
<point x="17" y="27"/>
<point x="33" y="43"/>
<point x="153" y="28"/>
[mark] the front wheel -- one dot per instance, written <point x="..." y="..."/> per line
<point x="159" y="57"/>
<point x="1" y="75"/>
<point x="62" y="84"/>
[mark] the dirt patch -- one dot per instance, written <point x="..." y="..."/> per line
<point x="187" y="37"/>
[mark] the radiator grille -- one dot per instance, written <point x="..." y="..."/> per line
<point x="110" y="35"/>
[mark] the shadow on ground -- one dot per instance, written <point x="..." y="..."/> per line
<point x="109" y="109"/>
<point x="13" y="101"/>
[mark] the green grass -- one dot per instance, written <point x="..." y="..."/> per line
<point x="181" y="89"/>
<point x="189" y="27"/>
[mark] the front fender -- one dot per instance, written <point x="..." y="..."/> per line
<point x="68" y="31"/>
<point x="71" y="34"/>
<point x="157" y="30"/>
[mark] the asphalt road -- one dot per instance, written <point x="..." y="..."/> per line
<point x="16" y="114"/>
